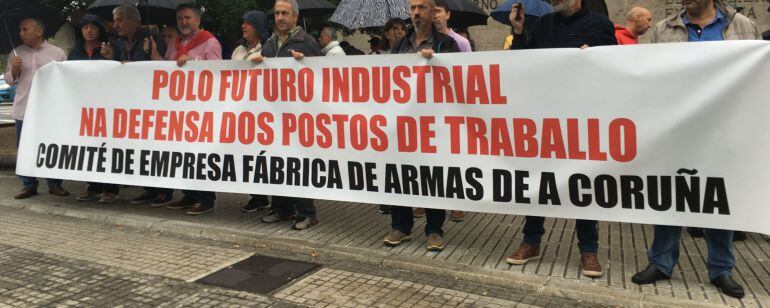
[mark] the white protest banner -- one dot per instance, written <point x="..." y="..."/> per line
<point x="666" y="134"/>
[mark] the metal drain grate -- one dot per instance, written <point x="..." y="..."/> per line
<point x="258" y="274"/>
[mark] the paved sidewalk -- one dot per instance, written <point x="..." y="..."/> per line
<point x="476" y="248"/>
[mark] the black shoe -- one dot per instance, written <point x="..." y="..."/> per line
<point x="146" y="197"/>
<point x="384" y="209"/>
<point x="254" y="205"/>
<point x="728" y="286"/>
<point x="695" y="232"/>
<point x="739" y="236"/>
<point x="649" y="275"/>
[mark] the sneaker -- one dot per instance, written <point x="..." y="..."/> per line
<point x="199" y="209"/>
<point x="255" y="205"/>
<point x="456" y="216"/>
<point x="304" y="223"/>
<point x="87" y="195"/>
<point x="272" y="217"/>
<point x="523" y="254"/>
<point x="418" y="212"/>
<point x="395" y="238"/>
<point x="181" y="204"/>
<point x="145" y="197"/>
<point x="161" y="200"/>
<point x="591" y="266"/>
<point x="58" y="191"/>
<point x="384" y="209"/>
<point x="108" y="198"/>
<point x="435" y="242"/>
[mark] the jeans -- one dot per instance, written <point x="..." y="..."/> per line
<point x="587" y="233"/>
<point x="288" y="206"/>
<point x="402" y="219"/>
<point x="156" y="190"/>
<point x="205" y="198"/>
<point x="31" y="182"/>
<point x="664" y="252"/>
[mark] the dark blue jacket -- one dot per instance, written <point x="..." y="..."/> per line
<point x="78" y="51"/>
<point x="556" y="31"/>
<point x="299" y="42"/>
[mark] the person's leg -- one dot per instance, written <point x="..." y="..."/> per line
<point x="283" y="206"/>
<point x="402" y="219"/>
<point x="305" y="207"/>
<point x="533" y="230"/>
<point x="111" y="188"/>
<point x="588" y="235"/>
<point x="95" y="187"/>
<point x="721" y="259"/>
<point x="53" y="183"/>
<point x="26" y="181"/>
<point x="434" y="221"/>
<point x="664" y="252"/>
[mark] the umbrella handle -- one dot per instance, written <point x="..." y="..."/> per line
<point x="10" y="40"/>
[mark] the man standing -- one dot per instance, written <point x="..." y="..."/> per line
<point x="701" y="20"/>
<point x="638" y="21"/>
<point x="569" y="26"/>
<point x="255" y="30"/>
<point x="192" y="44"/>
<point x="131" y="46"/>
<point x="426" y="40"/>
<point x="290" y="41"/>
<point x="23" y="62"/>
<point x="330" y="45"/>
<point x="441" y="21"/>
<point x="88" y="47"/>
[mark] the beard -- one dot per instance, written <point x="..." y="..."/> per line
<point x="563" y="5"/>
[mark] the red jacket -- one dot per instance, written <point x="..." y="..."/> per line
<point x="625" y="37"/>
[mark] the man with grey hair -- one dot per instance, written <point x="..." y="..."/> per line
<point x="290" y="40"/>
<point x="23" y="62"/>
<point x="329" y="43"/>
<point x="133" y="39"/>
<point x="570" y="26"/>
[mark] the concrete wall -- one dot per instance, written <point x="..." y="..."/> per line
<point x="492" y="36"/>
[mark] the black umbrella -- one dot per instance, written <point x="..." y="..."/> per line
<point x="153" y="12"/>
<point x="465" y="13"/>
<point x="12" y="12"/>
<point x="356" y="14"/>
<point x="310" y="8"/>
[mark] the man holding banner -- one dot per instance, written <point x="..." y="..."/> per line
<point x="290" y="40"/>
<point x="193" y="44"/>
<point x="424" y="39"/>
<point x="701" y="20"/>
<point x="556" y="30"/>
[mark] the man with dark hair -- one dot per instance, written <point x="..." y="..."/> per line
<point x="290" y="40"/>
<point x="426" y="40"/>
<point x="23" y="62"/>
<point x="570" y="26"/>
<point x="88" y="47"/>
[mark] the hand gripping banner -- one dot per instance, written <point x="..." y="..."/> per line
<point x="661" y="134"/>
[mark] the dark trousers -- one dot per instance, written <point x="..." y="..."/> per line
<point x="156" y="190"/>
<point x="31" y="182"/>
<point x="259" y="197"/>
<point x="587" y="233"/>
<point x="103" y="188"/>
<point x="288" y="206"/>
<point x="402" y="219"/>
<point x="203" y="197"/>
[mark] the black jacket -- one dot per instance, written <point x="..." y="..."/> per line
<point x="299" y="42"/>
<point x="78" y="51"/>
<point x="441" y="42"/>
<point x="556" y="31"/>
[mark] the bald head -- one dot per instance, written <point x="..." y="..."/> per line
<point x="639" y="20"/>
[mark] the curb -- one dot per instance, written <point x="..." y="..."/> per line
<point x="540" y="285"/>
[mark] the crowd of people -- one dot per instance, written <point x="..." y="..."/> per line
<point x="572" y="25"/>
